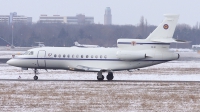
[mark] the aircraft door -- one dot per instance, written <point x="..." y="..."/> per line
<point x="41" y="59"/>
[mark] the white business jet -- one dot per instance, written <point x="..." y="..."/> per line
<point x="130" y="54"/>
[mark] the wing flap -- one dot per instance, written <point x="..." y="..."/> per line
<point x="85" y="68"/>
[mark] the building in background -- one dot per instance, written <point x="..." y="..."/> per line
<point x="13" y="18"/>
<point x="80" y="19"/>
<point x="107" y="16"/>
<point x="52" y="19"/>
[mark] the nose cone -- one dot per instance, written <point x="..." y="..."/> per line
<point x="10" y="62"/>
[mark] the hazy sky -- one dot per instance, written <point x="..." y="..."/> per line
<point x="123" y="11"/>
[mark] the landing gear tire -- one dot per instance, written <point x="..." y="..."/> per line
<point x="100" y="79"/>
<point x="36" y="72"/>
<point x="35" y="77"/>
<point x="110" y="76"/>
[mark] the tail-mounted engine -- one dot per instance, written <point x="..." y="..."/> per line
<point x="130" y="55"/>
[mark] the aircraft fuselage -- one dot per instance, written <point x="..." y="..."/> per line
<point x="70" y="58"/>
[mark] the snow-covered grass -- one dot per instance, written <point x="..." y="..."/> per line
<point x="99" y="96"/>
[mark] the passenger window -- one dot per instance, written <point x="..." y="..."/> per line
<point x="68" y="56"/>
<point x="77" y="56"/>
<point x="105" y="56"/>
<point x="96" y="56"/>
<point x="72" y="56"/>
<point x="100" y="56"/>
<point x="64" y="55"/>
<point x="81" y="56"/>
<point x="55" y="55"/>
<point x="91" y="56"/>
<point x="59" y="55"/>
<point x="87" y="56"/>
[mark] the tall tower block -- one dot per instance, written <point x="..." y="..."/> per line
<point x="107" y="16"/>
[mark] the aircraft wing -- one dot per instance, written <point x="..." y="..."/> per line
<point x="85" y="68"/>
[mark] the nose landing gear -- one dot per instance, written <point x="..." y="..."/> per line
<point x="35" y="77"/>
<point x="36" y="72"/>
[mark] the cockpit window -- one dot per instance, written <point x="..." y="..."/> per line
<point x="26" y="53"/>
<point x="31" y="53"/>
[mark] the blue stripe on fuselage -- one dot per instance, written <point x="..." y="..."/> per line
<point x="84" y="59"/>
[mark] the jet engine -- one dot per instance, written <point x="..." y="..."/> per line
<point x="130" y="55"/>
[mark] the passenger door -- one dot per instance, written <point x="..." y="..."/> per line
<point x="41" y="59"/>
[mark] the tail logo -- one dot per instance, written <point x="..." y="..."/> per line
<point x="49" y="54"/>
<point x="165" y="26"/>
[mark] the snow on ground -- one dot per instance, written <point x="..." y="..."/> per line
<point x="174" y="71"/>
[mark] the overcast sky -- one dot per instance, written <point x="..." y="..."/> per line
<point x="123" y="11"/>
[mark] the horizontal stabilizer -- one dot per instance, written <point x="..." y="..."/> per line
<point x="169" y="40"/>
<point x="182" y="41"/>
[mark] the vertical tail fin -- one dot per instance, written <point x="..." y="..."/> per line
<point x="165" y="31"/>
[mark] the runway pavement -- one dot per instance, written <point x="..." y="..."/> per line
<point x="52" y="80"/>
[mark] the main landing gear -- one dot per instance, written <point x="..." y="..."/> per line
<point x="110" y="76"/>
<point x="100" y="77"/>
<point x="36" y="72"/>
